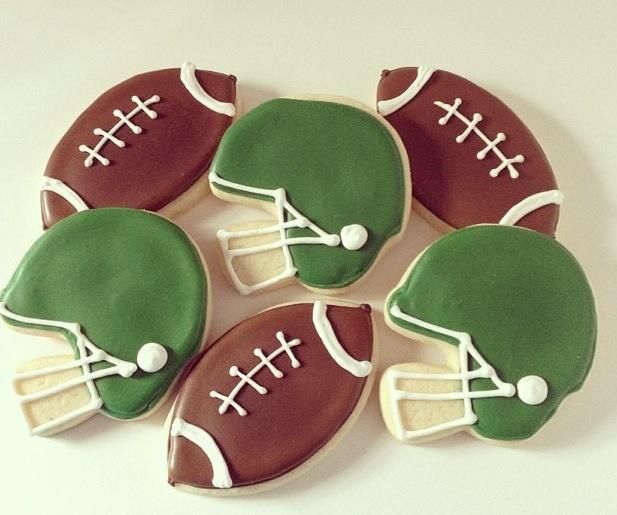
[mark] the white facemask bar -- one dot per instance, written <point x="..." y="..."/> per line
<point x="465" y="349"/>
<point x="282" y="207"/>
<point x="89" y="354"/>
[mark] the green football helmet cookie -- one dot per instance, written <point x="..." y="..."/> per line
<point x="514" y="315"/>
<point x="127" y="289"/>
<point x="335" y="177"/>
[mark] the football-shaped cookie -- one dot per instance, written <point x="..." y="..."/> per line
<point x="144" y="144"/>
<point x="270" y="397"/>
<point x="474" y="161"/>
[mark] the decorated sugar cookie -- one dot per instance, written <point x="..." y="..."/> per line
<point x="514" y="316"/>
<point x="270" y="397"/>
<point x="129" y="293"/>
<point x="147" y="143"/>
<point x="474" y="160"/>
<point x="334" y="176"/>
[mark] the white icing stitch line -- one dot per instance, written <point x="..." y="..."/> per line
<point x="247" y="379"/>
<point x="386" y="107"/>
<point x="491" y="145"/>
<point x="530" y="204"/>
<point x="67" y="193"/>
<point x="124" y="120"/>
<point x="188" y="78"/>
<point x="89" y="353"/>
<point x="466" y="350"/>
<point x="333" y="346"/>
<point x="326" y="333"/>
<point x="200" y="437"/>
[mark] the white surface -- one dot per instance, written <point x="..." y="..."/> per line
<point x="552" y="62"/>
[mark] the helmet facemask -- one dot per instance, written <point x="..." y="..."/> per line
<point x="439" y="398"/>
<point x="257" y="254"/>
<point x="57" y="392"/>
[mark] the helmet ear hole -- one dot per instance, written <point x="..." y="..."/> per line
<point x="532" y="390"/>
<point x="354" y="236"/>
<point x="152" y="357"/>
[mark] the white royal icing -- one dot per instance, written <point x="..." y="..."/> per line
<point x="386" y="107"/>
<point x="333" y="346"/>
<point x="328" y="338"/>
<point x="471" y="126"/>
<point x="532" y="390"/>
<point x="124" y="120"/>
<point x="294" y="219"/>
<point x="247" y="379"/>
<point x="188" y="78"/>
<point x="466" y="350"/>
<point x="152" y="357"/>
<point x="204" y="440"/>
<point x="66" y="192"/>
<point x="530" y="204"/>
<point x="354" y="236"/>
<point x="89" y="354"/>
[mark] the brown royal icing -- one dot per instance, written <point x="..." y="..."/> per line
<point x="154" y="167"/>
<point x="300" y="413"/>
<point x="448" y="179"/>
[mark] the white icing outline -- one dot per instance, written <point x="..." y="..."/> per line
<point x="466" y="349"/>
<point x="386" y="107"/>
<point x="333" y="346"/>
<point x="89" y="354"/>
<point x="491" y="145"/>
<point x="188" y="78"/>
<point x="283" y="207"/>
<point x="205" y="441"/>
<point x="65" y="191"/>
<point x="124" y="120"/>
<point x="530" y="204"/>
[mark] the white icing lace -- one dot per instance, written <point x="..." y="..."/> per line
<point x="124" y="120"/>
<point x="491" y="145"/>
<point x="247" y="379"/>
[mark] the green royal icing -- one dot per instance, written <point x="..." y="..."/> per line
<point x="127" y="277"/>
<point x="527" y="305"/>
<point x="338" y="165"/>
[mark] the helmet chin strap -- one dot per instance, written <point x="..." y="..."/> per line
<point x="150" y="358"/>
<point x="531" y="390"/>
<point x="353" y="237"/>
